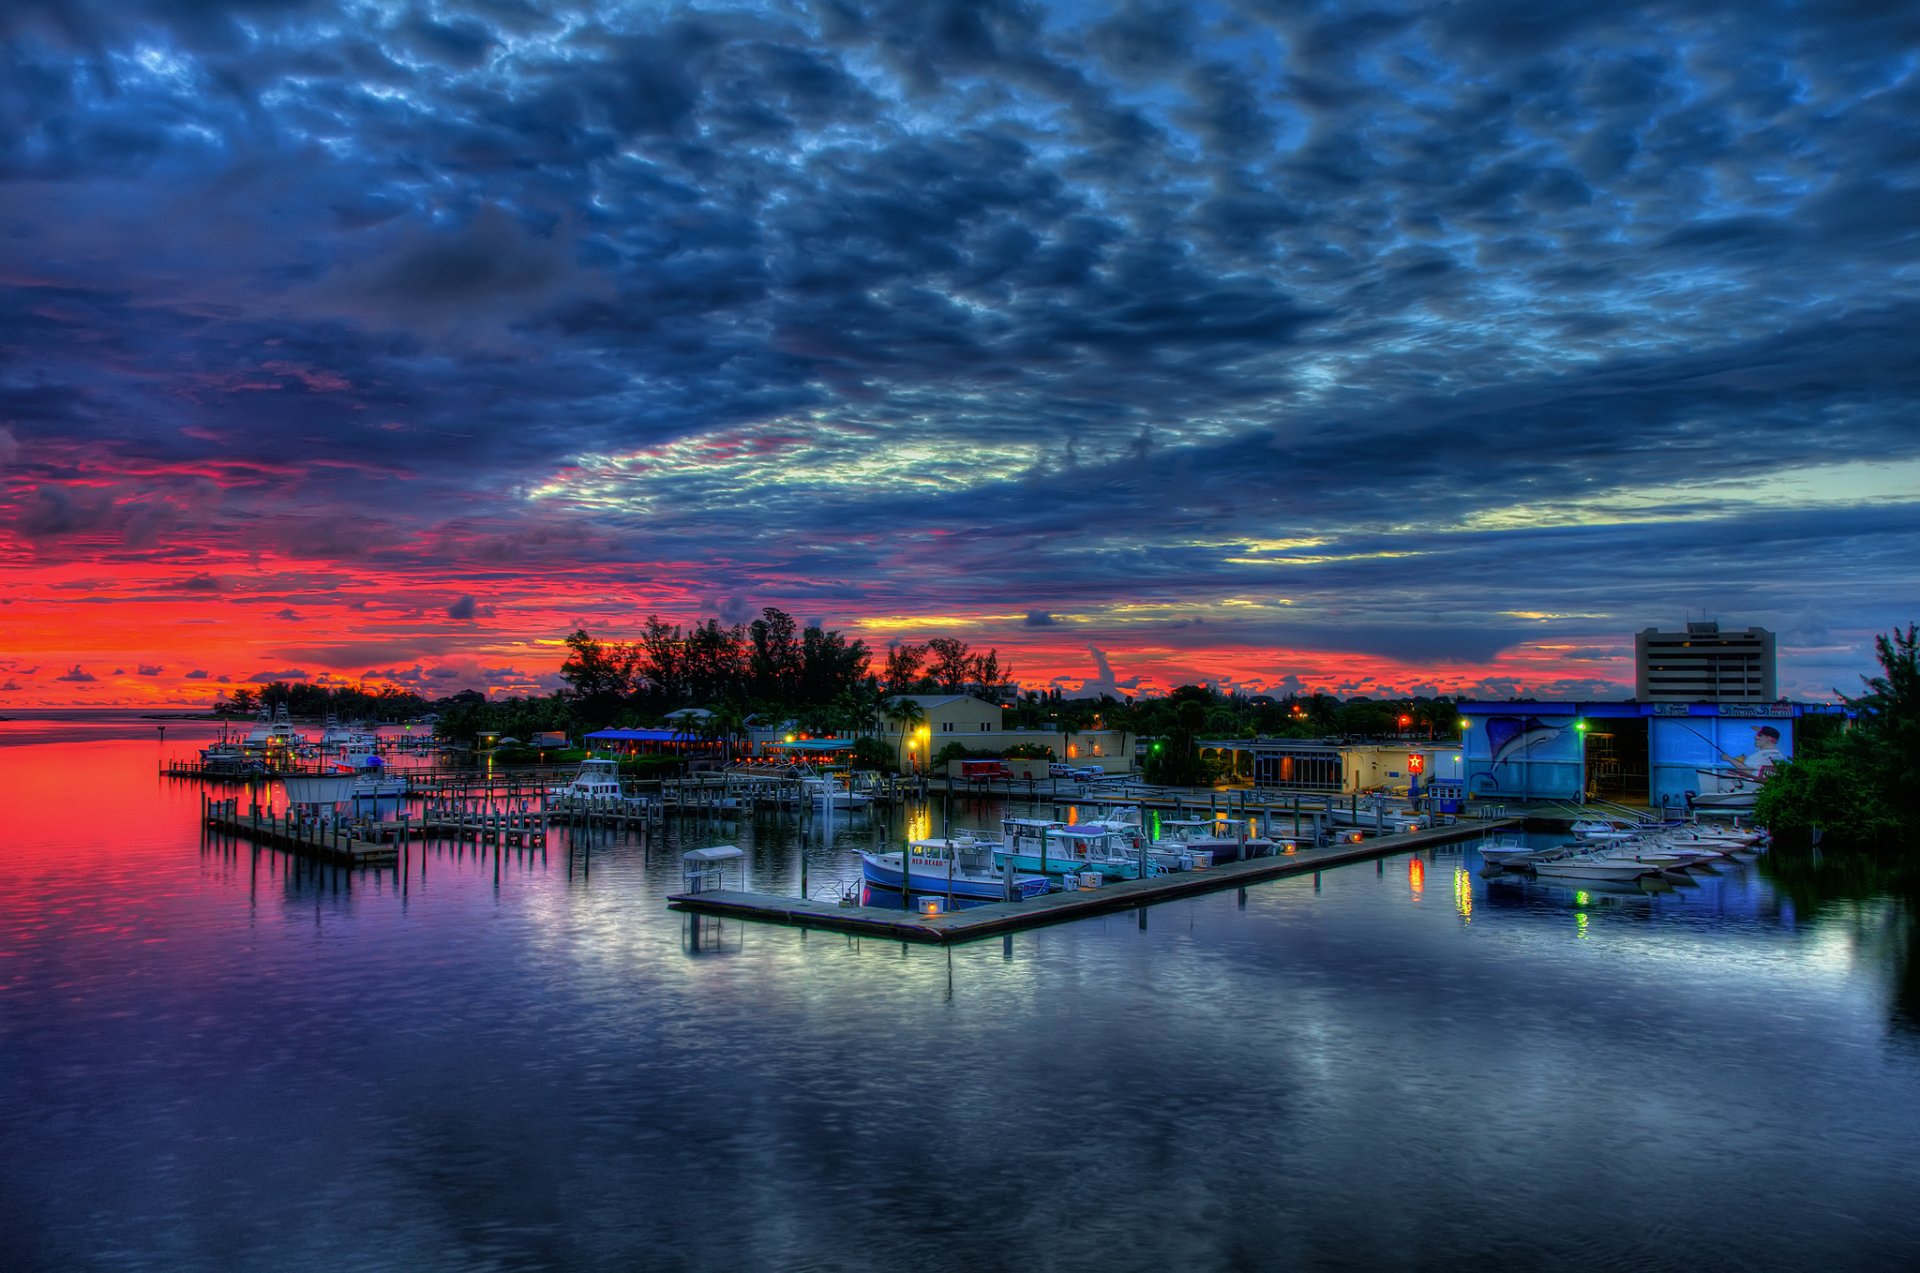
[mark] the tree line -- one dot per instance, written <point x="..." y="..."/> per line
<point x="1857" y="789"/>
<point x="828" y="684"/>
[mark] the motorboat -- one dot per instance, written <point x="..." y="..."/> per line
<point x="1059" y="849"/>
<point x="1511" y="853"/>
<point x="1594" y="866"/>
<point x="1207" y="835"/>
<point x="962" y="866"/>
<point x="1380" y="813"/>
<point x="372" y="780"/>
<point x="833" y="792"/>
<point x="598" y="782"/>
<point x="273" y="734"/>
<point x="334" y="737"/>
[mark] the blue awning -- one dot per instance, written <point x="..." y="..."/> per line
<point x="640" y="735"/>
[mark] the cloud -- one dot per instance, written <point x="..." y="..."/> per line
<point x="198" y="674"/>
<point x="290" y="674"/>
<point x="1304" y="343"/>
<point x="150" y="669"/>
<point x="76" y="673"/>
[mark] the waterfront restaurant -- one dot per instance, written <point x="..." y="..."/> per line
<point x="826" y="752"/>
<point x="652" y="742"/>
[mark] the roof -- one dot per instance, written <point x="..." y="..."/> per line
<point x="640" y="735"/>
<point x="718" y="853"/>
<point x="814" y="744"/>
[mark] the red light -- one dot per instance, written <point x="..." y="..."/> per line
<point x="1416" y="763"/>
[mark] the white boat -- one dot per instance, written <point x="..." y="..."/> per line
<point x="829" y="790"/>
<point x="1510" y="852"/>
<point x="272" y="734"/>
<point x="1379" y="813"/>
<point x="1055" y="848"/>
<point x="1603" y="829"/>
<point x="336" y="737"/>
<point x="962" y="866"/>
<point x="598" y="782"/>
<point x="1206" y="835"/>
<point x="372" y="780"/>
<point x="1593" y="866"/>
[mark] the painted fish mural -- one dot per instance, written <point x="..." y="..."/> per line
<point x="1510" y="738"/>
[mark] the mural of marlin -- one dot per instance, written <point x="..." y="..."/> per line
<point x="1513" y="736"/>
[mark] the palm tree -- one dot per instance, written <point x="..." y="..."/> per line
<point x="908" y="714"/>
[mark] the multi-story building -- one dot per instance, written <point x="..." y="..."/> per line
<point x="1704" y="665"/>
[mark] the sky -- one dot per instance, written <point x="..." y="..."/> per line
<point x="1275" y="345"/>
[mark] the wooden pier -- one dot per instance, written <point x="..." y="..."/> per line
<point x="999" y="918"/>
<point x="330" y="839"/>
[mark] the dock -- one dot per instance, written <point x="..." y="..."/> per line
<point x="1000" y="918"/>
<point x="327" y="839"/>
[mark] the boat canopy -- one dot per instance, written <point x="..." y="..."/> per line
<point x="718" y="853"/>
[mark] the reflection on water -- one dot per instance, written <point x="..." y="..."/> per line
<point x="213" y="1056"/>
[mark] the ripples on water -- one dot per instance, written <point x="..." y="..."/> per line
<point x="218" y="1058"/>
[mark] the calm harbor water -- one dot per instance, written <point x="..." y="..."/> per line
<point x="218" y="1058"/>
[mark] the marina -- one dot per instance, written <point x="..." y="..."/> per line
<point x="942" y="925"/>
<point x="543" y="1033"/>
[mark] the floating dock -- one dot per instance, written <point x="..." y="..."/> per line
<point x="999" y="918"/>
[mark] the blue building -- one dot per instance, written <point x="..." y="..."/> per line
<point x="1675" y="756"/>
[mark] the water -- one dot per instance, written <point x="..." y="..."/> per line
<point x="221" y="1059"/>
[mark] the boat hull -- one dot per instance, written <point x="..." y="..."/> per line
<point x="884" y="870"/>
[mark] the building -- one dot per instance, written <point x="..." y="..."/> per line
<point x="1332" y="766"/>
<point x="1664" y="755"/>
<point x="1704" y="665"/>
<point x="979" y="726"/>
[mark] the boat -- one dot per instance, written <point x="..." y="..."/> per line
<point x="1511" y="853"/>
<point x="1593" y="866"/>
<point x="833" y="792"/>
<point x="273" y="735"/>
<point x="336" y="737"/>
<point x="1379" y="813"/>
<point x="1602" y="829"/>
<point x="1205" y="835"/>
<point x="962" y="866"/>
<point x="1055" y="848"/>
<point x="598" y="782"/>
<point x="372" y="780"/>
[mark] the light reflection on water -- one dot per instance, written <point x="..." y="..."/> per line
<point x="219" y="1057"/>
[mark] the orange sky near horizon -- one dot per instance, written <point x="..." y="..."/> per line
<point x="155" y="636"/>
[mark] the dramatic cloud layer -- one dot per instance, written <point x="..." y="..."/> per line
<point x="1361" y="346"/>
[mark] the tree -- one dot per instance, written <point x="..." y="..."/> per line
<point x="1886" y="742"/>
<point x="601" y="675"/>
<point x="902" y="674"/>
<point x="1860" y="791"/>
<point x="773" y="657"/>
<point x="953" y="665"/>
<point x="908" y="715"/>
